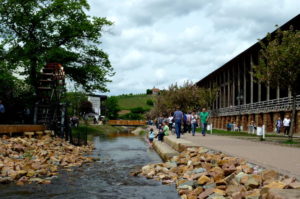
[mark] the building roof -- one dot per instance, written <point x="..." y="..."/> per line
<point x="295" y="22"/>
<point x="155" y="89"/>
<point x="101" y="96"/>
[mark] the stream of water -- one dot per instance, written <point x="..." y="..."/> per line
<point x="108" y="178"/>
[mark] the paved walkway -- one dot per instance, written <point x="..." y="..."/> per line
<point x="286" y="160"/>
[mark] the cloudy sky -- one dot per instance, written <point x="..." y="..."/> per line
<point x="160" y="42"/>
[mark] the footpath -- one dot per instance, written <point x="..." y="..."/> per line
<point x="285" y="160"/>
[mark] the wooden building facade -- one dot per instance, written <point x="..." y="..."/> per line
<point x="242" y="98"/>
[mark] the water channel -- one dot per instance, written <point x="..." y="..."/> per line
<point x="108" y="178"/>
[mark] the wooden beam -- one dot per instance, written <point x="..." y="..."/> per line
<point x="21" y="128"/>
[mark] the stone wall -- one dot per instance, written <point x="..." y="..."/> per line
<point x="267" y="119"/>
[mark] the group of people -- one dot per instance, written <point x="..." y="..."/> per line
<point x="285" y="125"/>
<point x="280" y="125"/>
<point x="180" y="123"/>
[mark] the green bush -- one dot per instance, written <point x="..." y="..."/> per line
<point x="150" y="102"/>
<point x="138" y="110"/>
<point x="132" y="116"/>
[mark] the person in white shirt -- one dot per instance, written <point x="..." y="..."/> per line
<point x="170" y="121"/>
<point x="286" y="124"/>
<point x="194" y="123"/>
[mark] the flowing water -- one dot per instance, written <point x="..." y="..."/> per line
<point x="108" y="178"/>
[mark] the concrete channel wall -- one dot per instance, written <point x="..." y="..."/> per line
<point x="171" y="146"/>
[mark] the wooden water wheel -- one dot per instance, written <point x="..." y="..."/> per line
<point x="49" y="109"/>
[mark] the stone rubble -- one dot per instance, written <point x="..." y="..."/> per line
<point x="200" y="173"/>
<point x="30" y="160"/>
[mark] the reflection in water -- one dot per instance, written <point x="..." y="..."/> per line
<point x="108" y="178"/>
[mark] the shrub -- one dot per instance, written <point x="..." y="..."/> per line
<point x="150" y="102"/>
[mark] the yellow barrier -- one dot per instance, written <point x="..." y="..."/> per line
<point x="21" y="128"/>
<point x="127" y="122"/>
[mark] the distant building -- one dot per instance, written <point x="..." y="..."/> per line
<point x="97" y="102"/>
<point x="155" y="91"/>
<point x="242" y="99"/>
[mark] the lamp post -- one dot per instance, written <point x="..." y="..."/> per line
<point x="240" y="98"/>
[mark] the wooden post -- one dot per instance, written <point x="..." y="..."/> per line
<point x="259" y="91"/>
<point x="239" y="83"/>
<point x="268" y="92"/>
<point x="245" y="83"/>
<point x="228" y="88"/>
<point x="233" y="86"/>
<point x="289" y="92"/>
<point x="251" y="79"/>
<point x="224" y="91"/>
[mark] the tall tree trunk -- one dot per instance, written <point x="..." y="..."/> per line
<point x="293" y="118"/>
<point x="33" y="74"/>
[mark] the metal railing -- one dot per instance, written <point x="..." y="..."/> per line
<point x="275" y="105"/>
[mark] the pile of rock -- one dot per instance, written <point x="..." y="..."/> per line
<point x="201" y="173"/>
<point x="27" y="160"/>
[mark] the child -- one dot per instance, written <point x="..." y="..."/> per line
<point x="160" y="135"/>
<point x="151" y="136"/>
<point x="166" y="129"/>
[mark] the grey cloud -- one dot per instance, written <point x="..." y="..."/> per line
<point x="159" y="42"/>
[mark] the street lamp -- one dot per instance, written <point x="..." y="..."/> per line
<point x="240" y="98"/>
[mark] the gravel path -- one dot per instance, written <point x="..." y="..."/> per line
<point x="286" y="160"/>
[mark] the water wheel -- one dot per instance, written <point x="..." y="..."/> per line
<point x="49" y="110"/>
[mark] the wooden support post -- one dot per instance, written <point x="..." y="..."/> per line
<point x="239" y="83"/>
<point x="245" y="83"/>
<point x="259" y="91"/>
<point x="277" y="92"/>
<point x="224" y="90"/>
<point x="220" y="96"/>
<point x="233" y="86"/>
<point x="268" y="92"/>
<point x="228" y="88"/>
<point x="251" y="80"/>
<point x="289" y="92"/>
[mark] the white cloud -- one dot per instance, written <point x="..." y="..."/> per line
<point x="160" y="42"/>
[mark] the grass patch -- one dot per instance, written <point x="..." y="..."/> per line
<point x="236" y="133"/>
<point x="227" y="133"/>
<point x="269" y="138"/>
<point x="143" y="132"/>
<point x="290" y="142"/>
<point x="127" y="102"/>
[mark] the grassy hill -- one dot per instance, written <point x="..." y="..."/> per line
<point x="127" y="102"/>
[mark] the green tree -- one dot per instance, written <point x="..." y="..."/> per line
<point x="36" y="32"/>
<point x="187" y="97"/>
<point x="149" y="91"/>
<point x="112" y="107"/>
<point x="74" y="99"/>
<point x="209" y="95"/>
<point x="279" y="64"/>
<point x="150" y="102"/>
<point x="86" y="107"/>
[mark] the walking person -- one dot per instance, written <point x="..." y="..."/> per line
<point x="188" y="122"/>
<point x="178" y="116"/>
<point x="170" y="121"/>
<point x="160" y="122"/>
<point x="184" y="124"/>
<point x="278" y="125"/>
<point x="286" y="125"/>
<point x="194" y="123"/>
<point x="203" y="118"/>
